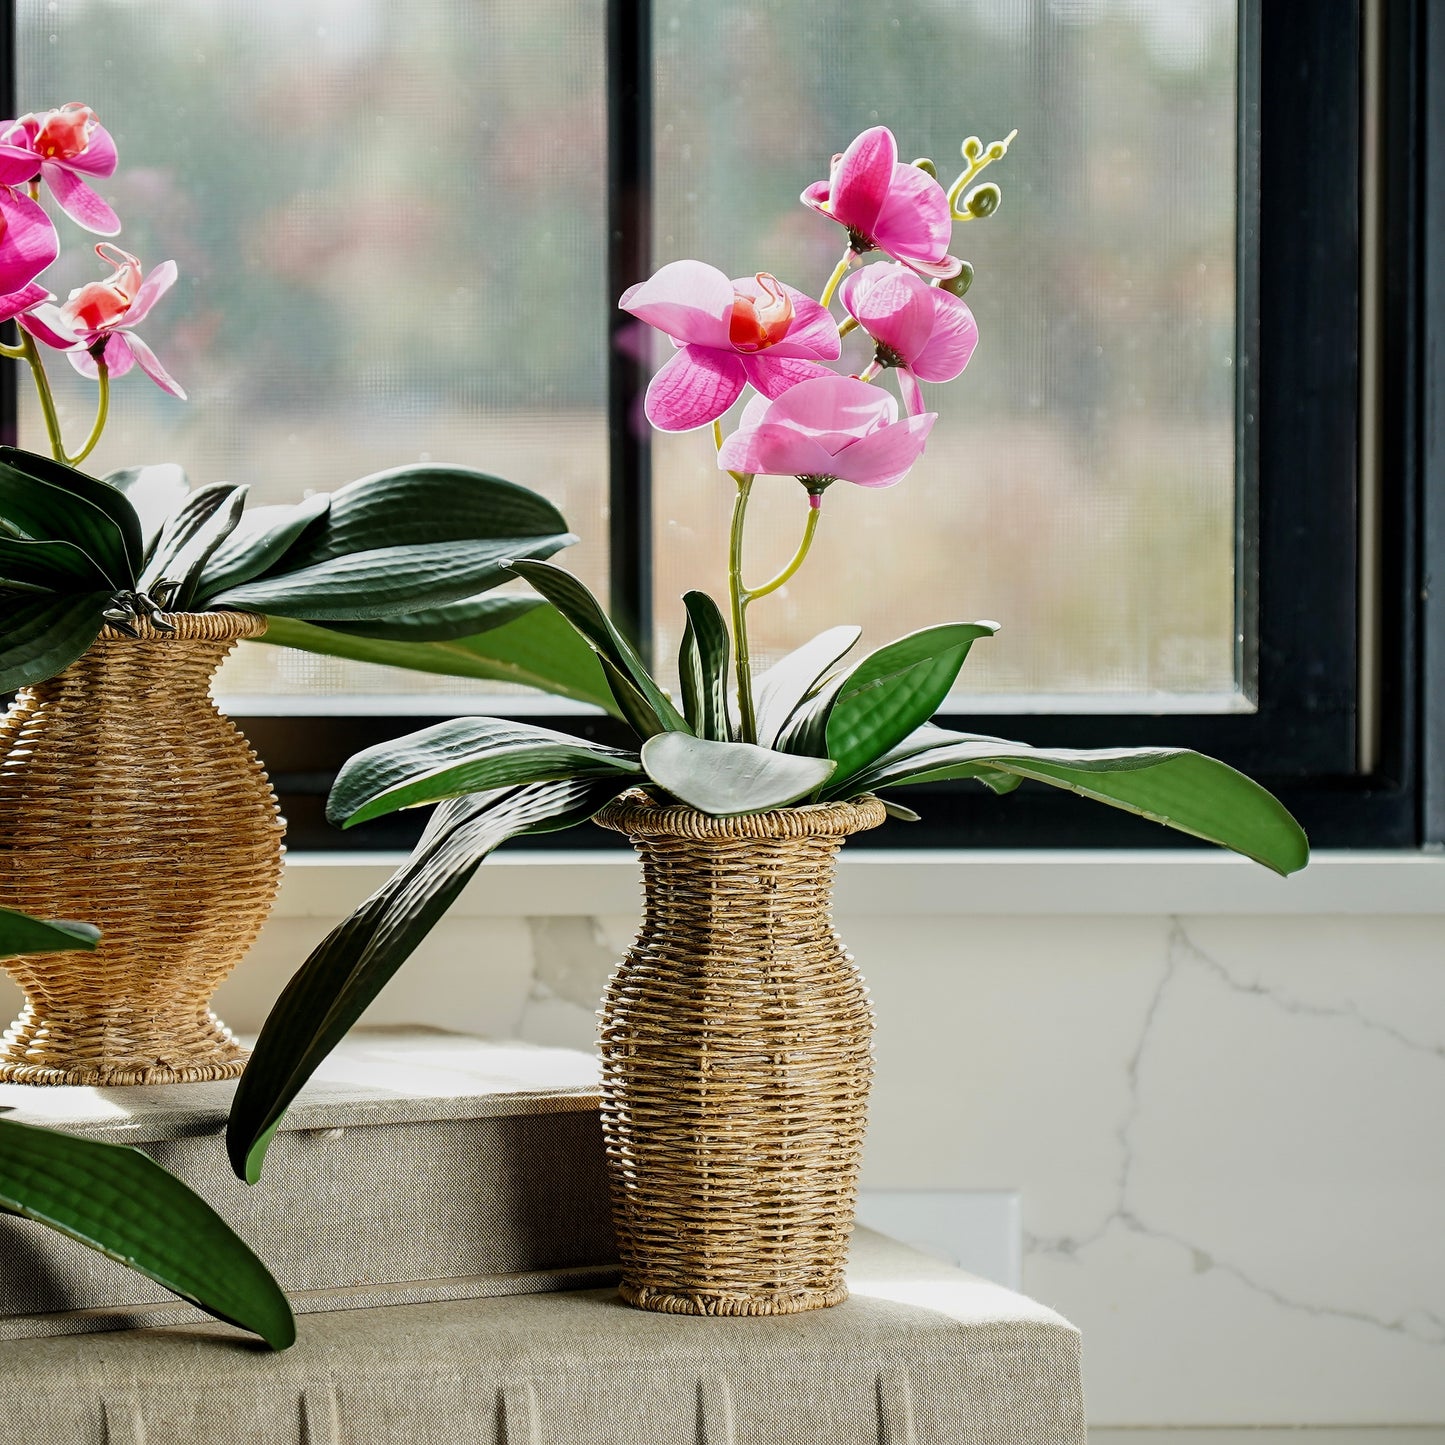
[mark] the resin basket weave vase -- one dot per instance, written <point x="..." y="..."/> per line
<point x="736" y="1046"/>
<point x="128" y="801"/>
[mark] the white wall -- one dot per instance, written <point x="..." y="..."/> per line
<point x="1224" y="1126"/>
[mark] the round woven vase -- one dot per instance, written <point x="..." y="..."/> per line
<point x="736" y="1046"/>
<point x="128" y="801"/>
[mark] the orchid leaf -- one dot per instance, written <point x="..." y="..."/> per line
<point x="463" y="755"/>
<point x="632" y="705"/>
<point x="703" y="660"/>
<point x="726" y="779"/>
<point x="585" y="613"/>
<point x="894" y="690"/>
<point x="353" y="963"/>
<point x="20" y="933"/>
<point x="388" y="580"/>
<point x="116" y="1200"/>
<point x="51" y="502"/>
<point x="784" y="686"/>
<point x="417" y="505"/>
<point x="53" y="566"/>
<point x="538" y="649"/>
<point x="471" y="617"/>
<point x="155" y="492"/>
<point x="1180" y="789"/>
<point x="45" y="635"/>
<point x="205" y="519"/>
<point x="897" y="810"/>
<point x="260" y="541"/>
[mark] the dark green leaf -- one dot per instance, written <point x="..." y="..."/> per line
<point x="471" y="617"/>
<point x="538" y="650"/>
<point x="784" y="686"/>
<point x="50" y="501"/>
<point x="419" y="505"/>
<point x="1183" y="790"/>
<point x="41" y="637"/>
<point x="260" y="541"/>
<point x="463" y="755"/>
<point x="19" y="933"/>
<point x="118" y="1201"/>
<point x="726" y="779"/>
<point x="703" y="660"/>
<point x="388" y="581"/>
<point x="631" y="705"/>
<point x="585" y="613"/>
<point x="894" y="690"/>
<point x="897" y="810"/>
<point x="54" y="566"/>
<point x="155" y="493"/>
<point x="205" y="519"/>
<point x="355" y="960"/>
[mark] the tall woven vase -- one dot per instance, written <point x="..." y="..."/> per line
<point x="736" y="1048"/>
<point x="128" y="801"/>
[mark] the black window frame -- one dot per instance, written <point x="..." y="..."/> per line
<point x="1308" y="533"/>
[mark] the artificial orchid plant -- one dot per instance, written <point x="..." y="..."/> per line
<point x="396" y="567"/>
<point x="815" y="727"/>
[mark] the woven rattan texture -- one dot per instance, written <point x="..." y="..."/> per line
<point x="128" y="801"/>
<point x="736" y="1048"/>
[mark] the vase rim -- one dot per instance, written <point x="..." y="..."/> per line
<point x="637" y="815"/>
<point x="190" y="627"/>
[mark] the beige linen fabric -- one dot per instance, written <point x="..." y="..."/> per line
<point x="920" y="1355"/>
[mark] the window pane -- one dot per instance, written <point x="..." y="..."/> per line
<point x="389" y="226"/>
<point x="1079" y="486"/>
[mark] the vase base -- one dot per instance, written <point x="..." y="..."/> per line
<point x="712" y="1302"/>
<point x="95" y="1075"/>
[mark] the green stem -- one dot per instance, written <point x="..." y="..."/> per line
<point x="102" y="411"/>
<point x="752" y="594"/>
<point x="839" y="272"/>
<point x="47" y="401"/>
<point x="738" y="595"/>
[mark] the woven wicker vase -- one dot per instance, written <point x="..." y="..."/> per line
<point x="128" y="801"/>
<point x="736" y="1057"/>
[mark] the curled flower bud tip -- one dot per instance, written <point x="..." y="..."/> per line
<point x="972" y="148"/>
<point x="958" y="285"/>
<point x="927" y="166"/>
<point x="983" y="200"/>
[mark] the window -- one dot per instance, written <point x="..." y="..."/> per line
<point x="404" y="231"/>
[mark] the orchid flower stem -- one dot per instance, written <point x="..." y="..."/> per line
<point x="102" y="411"/>
<point x="851" y="324"/>
<point x="753" y="593"/>
<point x="47" y="401"/>
<point x="738" y="595"/>
<point x="839" y="272"/>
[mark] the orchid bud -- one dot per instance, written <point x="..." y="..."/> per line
<point x="972" y="149"/>
<point x="927" y="166"/>
<point x="958" y="285"/>
<point x="983" y="200"/>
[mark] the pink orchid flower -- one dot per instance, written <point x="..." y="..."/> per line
<point x="887" y="206"/>
<point x="728" y="333"/>
<point x="61" y="146"/>
<point x="97" y="318"/>
<point x="831" y="429"/>
<point x="923" y="331"/>
<point x="28" y="242"/>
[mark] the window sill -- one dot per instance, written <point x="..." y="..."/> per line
<point x="933" y="883"/>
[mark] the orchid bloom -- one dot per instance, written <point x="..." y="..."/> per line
<point x="831" y="429"/>
<point x="923" y="331"/>
<point x="28" y="244"/>
<point x="889" y="207"/>
<point x="61" y="146"/>
<point x="728" y="333"/>
<point x="97" y="318"/>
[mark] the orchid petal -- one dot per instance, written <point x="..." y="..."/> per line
<point x="150" y="291"/>
<point x="860" y="181"/>
<point x="772" y="374"/>
<point x="754" y="412"/>
<point x="79" y="202"/>
<point x="775" y="451"/>
<point x="836" y="410"/>
<point x="883" y="457"/>
<point x="813" y="332"/>
<point x="695" y="387"/>
<point x="47" y="323"/>
<point x="955" y="334"/>
<point x="892" y="305"/>
<point x="689" y="300"/>
<point x="17" y="165"/>
<point x="942" y="270"/>
<point x="118" y="357"/>
<point x="18" y="301"/>
<point x="910" y="391"/>
<point x="98" y="158"/>
<point x="28" y="242"/>
<point x="817" y="196"/>
<point x="149" y="363"/>
<point x="914" y="223"/>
